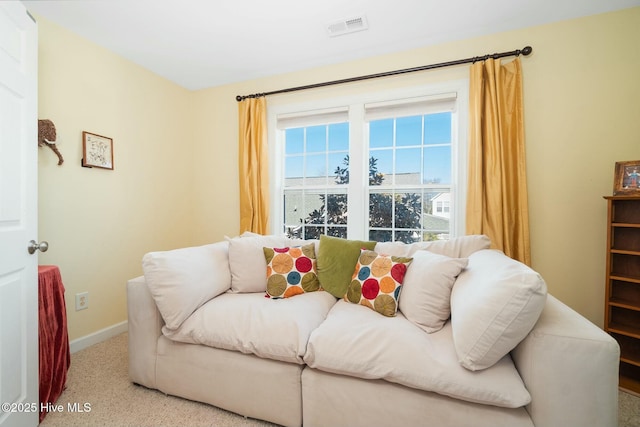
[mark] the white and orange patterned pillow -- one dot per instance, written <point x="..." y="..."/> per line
<point x="291" y="271"/>
<point x="377" y="281"/>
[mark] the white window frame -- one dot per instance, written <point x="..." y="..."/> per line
<point x="357" y="190"/>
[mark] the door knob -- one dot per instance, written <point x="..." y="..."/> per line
<point x="33" y="246"/>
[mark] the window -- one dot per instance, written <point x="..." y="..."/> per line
<point x="316" y="178"/>
<point x="378" y="168"/>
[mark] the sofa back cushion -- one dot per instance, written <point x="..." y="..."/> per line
<point x="182" y="280"/>
<point x="495" y="303"/>
<point x="458" y="247"/>
<point x="426" y="292"/>
<point x="337" y="260"/>
<point x="247" y="263"/>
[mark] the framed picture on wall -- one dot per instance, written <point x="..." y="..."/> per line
<point x="97" y="151"/>
<point x="627" y="178"/>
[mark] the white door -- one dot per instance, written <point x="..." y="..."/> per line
<point x="18" y="216"/>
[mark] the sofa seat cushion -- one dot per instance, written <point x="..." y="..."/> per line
<point x="359" y="342"/>
<point x="250" y="323"/>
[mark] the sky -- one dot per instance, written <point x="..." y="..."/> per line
<point x="324" y="154"/>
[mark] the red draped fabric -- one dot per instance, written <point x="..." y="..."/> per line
<point x="54" y="357"/>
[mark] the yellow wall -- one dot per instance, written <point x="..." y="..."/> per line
<point x="100" y="222"/>
<point x="175" y="177"/>
<point x="582" y="115"/>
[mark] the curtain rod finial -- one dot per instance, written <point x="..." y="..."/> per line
<point x="238" y="98"/>
<point x="527" y="50"/>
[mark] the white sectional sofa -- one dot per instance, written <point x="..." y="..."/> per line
<point x="476" y="341"/>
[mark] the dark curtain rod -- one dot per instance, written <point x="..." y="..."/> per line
<point x="526" y="51"/>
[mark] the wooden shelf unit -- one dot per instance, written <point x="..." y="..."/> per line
<point x="622" y="296"/>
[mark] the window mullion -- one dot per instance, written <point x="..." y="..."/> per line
<point x="357" y="201"/>
<point x="327" y="175"/>
<point x="394" y="189"/>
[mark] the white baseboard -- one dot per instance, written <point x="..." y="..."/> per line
<point x="99" y="336"/>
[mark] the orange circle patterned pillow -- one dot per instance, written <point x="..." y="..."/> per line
<point x="377" y="281"/>
<point x="291" y="271"/>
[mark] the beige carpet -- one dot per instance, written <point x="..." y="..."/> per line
<point x="629" y="410"/>
<point x="98" y="376"/>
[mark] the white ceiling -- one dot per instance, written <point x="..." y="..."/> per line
<point x="205" y="43"/>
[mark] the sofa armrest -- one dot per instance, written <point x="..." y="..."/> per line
<point x="570" y="367"/>
<point x="145" y="327"/>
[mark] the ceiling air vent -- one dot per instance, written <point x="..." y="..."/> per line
<point x="347" y="26"/>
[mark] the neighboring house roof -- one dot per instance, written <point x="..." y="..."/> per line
<point x="444" y="196"/>
<point x="436" y="224"/>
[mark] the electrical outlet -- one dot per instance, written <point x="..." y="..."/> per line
<point x="82" y="301"/>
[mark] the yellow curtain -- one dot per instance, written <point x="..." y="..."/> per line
<point x="497" y="191"/>
<point x="253" y="166"/>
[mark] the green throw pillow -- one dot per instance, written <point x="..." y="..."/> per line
<point x="336" y="262"/>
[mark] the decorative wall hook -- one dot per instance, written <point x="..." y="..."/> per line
<point x="47" y="137"/>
